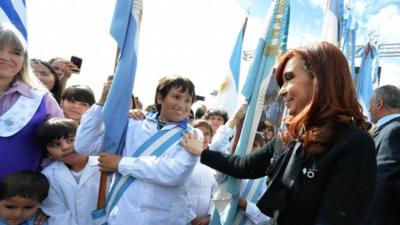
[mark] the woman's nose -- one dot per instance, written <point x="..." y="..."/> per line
<point x="3" y="54"/>
<point x="282" y="92"/>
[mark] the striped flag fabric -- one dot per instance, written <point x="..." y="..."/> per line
<point x="333" y="20"/>
<point x="14" y="12"/>
<point x="349" y="42"/>
<point x="227" y="96"/>
<point x="367" y="75"/>
<point x="270" y="46"/>
<point x="125" y="30"/>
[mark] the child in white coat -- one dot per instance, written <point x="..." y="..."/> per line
<point x="74" y="178"/>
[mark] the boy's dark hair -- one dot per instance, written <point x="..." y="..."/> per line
<point x="259" y="137"/>
<point x="54" y="129"/>
<point x="167" y="83"/>
<point x="81" y="93"/>
<point x="26" y="184"/>
<point x="202" y="123"/>
<point x="266" y="124"/>
<point x="216" y="112"/>
<point x="200" y="111"/>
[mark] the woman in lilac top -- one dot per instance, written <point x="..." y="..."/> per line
<point x="24" y="104"/>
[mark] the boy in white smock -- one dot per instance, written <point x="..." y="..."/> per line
<point x="158" y="194"/>
<point x="74" y="178"/>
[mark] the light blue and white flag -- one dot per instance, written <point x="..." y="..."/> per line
<point x="367" y="76"/>
<point x="349" y="42"/>
<point x="14" y="12"/>
<point x="227" y="97"/>
<point x="271" y="45"/>
<point x="333" y="22"/>
<point x="125" y="30"/>
<point x="252" y="192"/>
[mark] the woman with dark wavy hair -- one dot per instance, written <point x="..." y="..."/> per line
<point x="322" y="168"/>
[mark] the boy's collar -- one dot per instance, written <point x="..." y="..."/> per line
<point x="154" y="117"/>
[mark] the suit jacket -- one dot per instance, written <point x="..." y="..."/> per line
<point x="339" y="191"/>
<point x="386" y="201"/>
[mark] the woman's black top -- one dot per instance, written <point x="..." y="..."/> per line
<point x="334" y="188"/>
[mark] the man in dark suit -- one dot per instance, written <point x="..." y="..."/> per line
<point x="385" y="113"/>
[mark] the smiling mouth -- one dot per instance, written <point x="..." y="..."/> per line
<point x="288" y="102"/>
<point x="68" y="154"/>
<point x="15" y="221"/>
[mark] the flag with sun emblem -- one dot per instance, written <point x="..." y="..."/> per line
<point x="227" y="93"/>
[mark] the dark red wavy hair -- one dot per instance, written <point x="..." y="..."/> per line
<point x="333" y="99"/>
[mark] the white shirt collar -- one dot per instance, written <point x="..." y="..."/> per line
<point x="385" y="119"/>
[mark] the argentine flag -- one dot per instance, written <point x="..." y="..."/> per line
<point x="333" y="14"/>
<point x="125" y="30"/>
<point x="227" y="97"/>
<point x="14" y="12"/>
<point x="367" y="76"/>
<point x="271" y="45"/>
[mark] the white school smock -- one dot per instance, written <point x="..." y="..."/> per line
<point x="159" y="195"/>
<point x="202" y="186"/>
<point x="68" y="202"/>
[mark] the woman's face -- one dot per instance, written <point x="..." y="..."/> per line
<point x="297" y="86"/>
<point x="11" y="62"/>
<point x="44" y="75"/>
<point x="215" y="122"/>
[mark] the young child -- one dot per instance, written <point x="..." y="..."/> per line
<point x="202" y="184"/>
<point x="158" y="193"/>
<point x="76" y="100"/>
<point x="74" y="178"/>
<point x="20" y="196"/>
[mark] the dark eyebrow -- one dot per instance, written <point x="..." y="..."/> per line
<point x="284" y="77"/>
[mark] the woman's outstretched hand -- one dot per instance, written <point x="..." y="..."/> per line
<point x="192" y="144"/>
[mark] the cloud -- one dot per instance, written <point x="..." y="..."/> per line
<point x="390" y="71"/>
<point x="318" y="3"/>
<point x="384" y="23"/>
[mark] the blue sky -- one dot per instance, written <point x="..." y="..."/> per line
<point x="307" y="15"/>
<point x="380" y="16"/>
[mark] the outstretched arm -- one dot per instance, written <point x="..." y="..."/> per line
<point x="253" y="165"/>
<point x="90" y="135"/>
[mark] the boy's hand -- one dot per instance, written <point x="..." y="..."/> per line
<point x="40" y="217"/>
<point x="106" y="89"/>
<point x="191" y="144"/>
<point x="237" y="116"/>
<point x="242" y="203"/>
<point x="109" y="162"/>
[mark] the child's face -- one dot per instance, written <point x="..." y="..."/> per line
<point x="63" y="150"/>
<point x="175" y="106"/>
<point x="206" y="135"/>
<point x="74" y="109"/>
<point x="16" y="210"/>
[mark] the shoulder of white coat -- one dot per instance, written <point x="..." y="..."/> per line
<point x="53" y="168"/>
